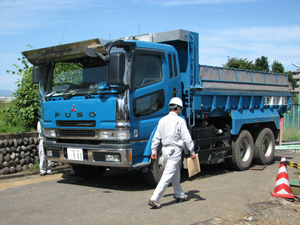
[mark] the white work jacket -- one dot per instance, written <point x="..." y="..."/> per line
<point x="172" y="132"/>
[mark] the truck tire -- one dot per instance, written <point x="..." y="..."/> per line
<point x="156" y="169"/>
<point x="264" y="147"/>
<point x="88" y="172"/>
<point x="242" y="151"/>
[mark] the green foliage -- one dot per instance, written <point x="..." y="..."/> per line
<point x="23" y="109"/>
<point x="262" y="64"/>
<point x="239" y="63"/>
<point x="67" y="73"/>
<point x="4" y="127"/>
<point x="277" y="67"/>
<point x="36" y="167"/>
<point x="292" y="80"/>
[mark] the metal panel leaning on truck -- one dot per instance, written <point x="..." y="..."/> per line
<point x="102" y="109"/>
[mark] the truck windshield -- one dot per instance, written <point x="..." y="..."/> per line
<point x="77" y="78"/>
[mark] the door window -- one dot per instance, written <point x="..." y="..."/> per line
<point x="147" y="69"/>
<point x="170" y="66"/>
<point x="175" y="65"/>
<point x="149" y="104"/>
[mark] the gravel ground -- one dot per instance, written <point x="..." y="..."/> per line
<point x="275" y="211"/>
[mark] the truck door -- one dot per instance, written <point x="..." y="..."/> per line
<point x="151" y="92"/>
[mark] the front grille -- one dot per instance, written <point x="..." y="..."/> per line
<point x="75" y="123"/>
<point x="75" y="133"/>
<point x="78" y="141"/>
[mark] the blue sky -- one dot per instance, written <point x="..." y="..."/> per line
<point x="235" y="28"/>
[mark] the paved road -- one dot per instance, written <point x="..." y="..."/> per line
<point x="121" y="197"/>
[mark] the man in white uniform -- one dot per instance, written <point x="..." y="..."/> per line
<point x="45" y="165"/>
<point x="172" y="132"/>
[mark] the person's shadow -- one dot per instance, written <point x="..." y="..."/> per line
<point x="193" y="196"/>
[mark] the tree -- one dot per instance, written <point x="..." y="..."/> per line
<point x="262" y="64"/>
<point x="239" y="63"/>
<point x="23" y="109"/>
<point x="292" y="80"/>
<point x="277" y="67"/>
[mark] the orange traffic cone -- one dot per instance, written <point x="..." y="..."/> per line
<point x="282" y="186"/>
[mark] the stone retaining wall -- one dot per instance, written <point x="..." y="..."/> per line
<point x="18" y="152"/>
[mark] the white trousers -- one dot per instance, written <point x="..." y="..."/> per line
<point x="170" y="174"/>
<point x="45" y="165"/>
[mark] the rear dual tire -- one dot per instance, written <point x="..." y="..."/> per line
<point x="242" y="151"/>
<point x="264" y="149"/>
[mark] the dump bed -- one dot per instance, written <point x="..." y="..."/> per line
<point x="246" y="96"/>
<point x="243" y="81"/>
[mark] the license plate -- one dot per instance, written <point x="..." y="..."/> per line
<point x="75" y="154"/>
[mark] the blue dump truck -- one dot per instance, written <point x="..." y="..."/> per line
<point x="100" y="103"/>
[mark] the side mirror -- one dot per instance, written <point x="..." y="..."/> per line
<point x="36" y="75"/>
<point x="116" y="68"/>
<point x="91" y="52"/>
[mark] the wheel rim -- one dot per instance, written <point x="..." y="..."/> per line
<point x="267" y="146"/>
<point x="245" y="150"/>
<point x="161" y="162"/>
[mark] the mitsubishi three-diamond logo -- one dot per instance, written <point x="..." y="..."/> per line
<point x="73" y="108"/>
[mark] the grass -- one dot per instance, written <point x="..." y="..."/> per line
<point x="291" y="134"/>
<point x="36" y="167"/>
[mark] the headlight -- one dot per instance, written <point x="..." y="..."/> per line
<point x="123" y="134"/>
<point x="112" y="158"/>
<point x="49" y="133"/>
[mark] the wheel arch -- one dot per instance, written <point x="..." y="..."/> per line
<point x="147" y="150"/>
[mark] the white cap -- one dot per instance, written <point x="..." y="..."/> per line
<point x="176" y="101"/>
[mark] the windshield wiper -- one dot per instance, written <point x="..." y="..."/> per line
<point x="65" y="97"/>
<point x="50" y="95"/>
<point x="117" y="89"/>
<point x="91" y="93"/>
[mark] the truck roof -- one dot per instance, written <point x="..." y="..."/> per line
<point x="174" y="35"/>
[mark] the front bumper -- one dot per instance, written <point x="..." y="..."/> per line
<point x="92" y="154"/>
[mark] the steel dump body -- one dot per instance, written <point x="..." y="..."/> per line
<point x="242" y="81"/>
<point x="250" y="96"/>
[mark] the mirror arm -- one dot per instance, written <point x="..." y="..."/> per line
<point x="104" y="58"/>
